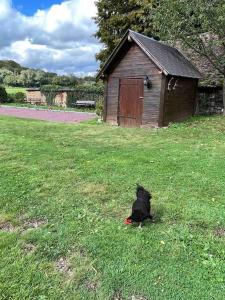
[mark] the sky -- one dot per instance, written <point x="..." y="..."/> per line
<point x="53" y="35"/>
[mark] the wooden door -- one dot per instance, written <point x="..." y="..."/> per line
<point x="130" y="102"/>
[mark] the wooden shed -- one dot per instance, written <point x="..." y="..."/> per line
<point x="147" y="83"/>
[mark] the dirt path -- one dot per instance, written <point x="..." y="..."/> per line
<point x="47" y="115"/>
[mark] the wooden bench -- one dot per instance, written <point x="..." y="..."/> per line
<point x="85" y="103"/>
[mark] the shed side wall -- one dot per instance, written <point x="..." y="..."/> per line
<point x="179" y="104"/>
<point x="135" y="64"/>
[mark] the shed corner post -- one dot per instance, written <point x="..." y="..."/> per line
<point x="105" y="99"/>
<point x="197" y="99"/>
<point x="162" y="101"/>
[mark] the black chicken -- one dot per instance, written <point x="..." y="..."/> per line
<point x="141" y="208"/>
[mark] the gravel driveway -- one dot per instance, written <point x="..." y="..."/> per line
<point x="47" y="115"/>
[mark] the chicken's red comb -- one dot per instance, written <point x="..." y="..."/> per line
<point x="127" y="221"/>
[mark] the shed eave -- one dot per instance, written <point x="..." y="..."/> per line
<point x="112" y="56"/>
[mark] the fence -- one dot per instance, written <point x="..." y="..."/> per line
<point x="209" y="101"/>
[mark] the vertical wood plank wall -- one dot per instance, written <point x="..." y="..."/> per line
<point x="179" y="104"/>
<point x="135" y="64"/>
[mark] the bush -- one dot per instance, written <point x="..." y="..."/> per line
<point x="19" y="97"/>
<point x="3" y="95"/>
<point x="100" y="108"/>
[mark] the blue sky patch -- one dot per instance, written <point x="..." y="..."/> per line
<point x="29" y="7"/>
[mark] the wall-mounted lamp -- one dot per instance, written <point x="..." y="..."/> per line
<point x="147" y="82"/>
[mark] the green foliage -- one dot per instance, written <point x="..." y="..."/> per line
<point x="3" y="73"/>
<point x="71" y="99"/>
<point x="80" y="180"/>
<point x="100" y="107"/>
<point x="198" y="25"/>
<point x="12" y="74"/>
<point x="91" y="87"/>
<point x="49" y="87"/>
<point x="69" y="80"/>
<point x="115" y="17"/>
<point x="50" y="92"/>
<point x="3" y="95"/>
<point x="19" y="97"/>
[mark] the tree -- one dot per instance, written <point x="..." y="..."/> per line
<point x="9" y="80"/>
<point x="27" y="77"/>
<point x="40" y="78"/>
<point x="115" y="17"/>
<point x="198" y="25"/>
<point x="60" y="80"/>
<point x="3" y="95"/>
<point x="3" y="73"/>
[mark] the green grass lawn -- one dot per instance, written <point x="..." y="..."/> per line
<point x="66" y="189"/>
<point x="14" y="90"/>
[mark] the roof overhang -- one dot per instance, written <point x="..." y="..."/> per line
<point x="124" y="39"/>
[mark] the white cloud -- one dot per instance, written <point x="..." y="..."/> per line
<point x="59" y="39"/>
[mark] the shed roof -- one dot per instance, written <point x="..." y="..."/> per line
<point x="167" y="58"/>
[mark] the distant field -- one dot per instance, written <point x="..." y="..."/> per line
<point x="14" y="90"/>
